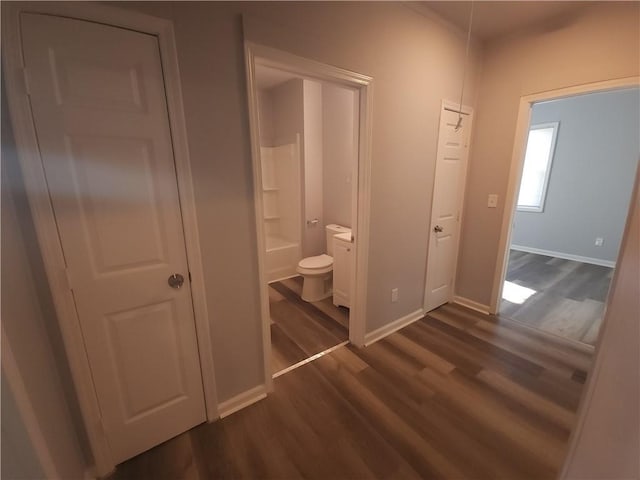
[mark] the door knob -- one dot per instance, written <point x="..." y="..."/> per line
<point x="437" y="229"/>
<point x="175" y="281"/>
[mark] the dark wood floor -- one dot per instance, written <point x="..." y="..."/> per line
<point x="301" y="329"/>
<point x="456" y="395"/>
<point x="570" y="296"/>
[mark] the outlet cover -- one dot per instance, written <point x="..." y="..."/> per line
<point x="599" y="241"/>
<point x="492" y="200"/>
<point x="394" y="295"/>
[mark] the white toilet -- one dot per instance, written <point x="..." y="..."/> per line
<point x="317" y="271"/>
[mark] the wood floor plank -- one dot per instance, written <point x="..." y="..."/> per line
<point x="329" y="323"/>
<point x="569" y="296"/>
<point x="544" y="449"/>
<point x="561" y="416"/>
<point x="528" y="343"/>
<point x="484" y="348"/>
<point x="447" y="397"/>
<point x="423" y="457"/>
<point x="301" y="329"/>
<point x="285" y="351"/>
<point x="476" y="461"/>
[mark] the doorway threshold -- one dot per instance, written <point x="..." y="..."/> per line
<point x="310" y="359"/>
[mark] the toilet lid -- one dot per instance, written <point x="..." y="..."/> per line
<point x="320" y="261"/>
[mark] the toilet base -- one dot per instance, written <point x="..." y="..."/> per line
<point x="316" y="287"/>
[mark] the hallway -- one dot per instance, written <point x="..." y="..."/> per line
<point x="454" y="395"/>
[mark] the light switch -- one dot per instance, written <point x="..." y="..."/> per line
<point x="492" y="201"/>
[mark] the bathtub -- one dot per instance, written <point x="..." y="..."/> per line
<point x="282" y="258"/>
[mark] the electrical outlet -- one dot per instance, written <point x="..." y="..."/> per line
<point x="599" y="241"/>
<point x="492" y="200"/>
<point x="394" y="295"/>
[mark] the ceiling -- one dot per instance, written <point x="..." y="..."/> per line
<point x="492" y="19"/>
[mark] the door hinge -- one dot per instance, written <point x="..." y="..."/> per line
<point x="25" y="81"/>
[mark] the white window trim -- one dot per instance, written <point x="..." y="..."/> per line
<point x="552" y="150"/>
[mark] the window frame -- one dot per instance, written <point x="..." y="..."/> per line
<point x="545" y="184"/>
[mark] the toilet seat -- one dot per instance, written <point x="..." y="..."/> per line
<point x="315" y="265"/>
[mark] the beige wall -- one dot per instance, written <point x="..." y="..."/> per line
<point x="265" y="118"/>
<point x="602" y="42"/>
<point x="416" y="62"/>
<point x="606" y="443"/>
<point x="339" y="130"/>
<point x="313" y="238"/>
<point x="287" y="112"/>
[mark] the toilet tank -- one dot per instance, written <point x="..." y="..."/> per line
<point x="331" y="230"/>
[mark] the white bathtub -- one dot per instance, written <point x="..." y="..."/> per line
<point x="282" y="258"/>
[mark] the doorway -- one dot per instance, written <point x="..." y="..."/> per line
<point x="578" y="162"/>
<point x="310" y="146"/>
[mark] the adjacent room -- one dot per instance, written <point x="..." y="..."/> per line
<point x="308" y="133"/>
<point x="321" y="240"/>
<point x="577" y="181"/>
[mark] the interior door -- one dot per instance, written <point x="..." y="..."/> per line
<point x="98" y="101"/>
<point x="448" y="192"/>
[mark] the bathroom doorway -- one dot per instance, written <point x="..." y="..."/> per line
<point x="310" y="148"/>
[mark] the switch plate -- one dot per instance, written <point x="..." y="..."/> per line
<point x="599" y="241"/>
<point x="492" y="200"/>
<point x="394" y="295"/>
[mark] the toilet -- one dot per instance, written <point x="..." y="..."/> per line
<point x="317" y="271"/>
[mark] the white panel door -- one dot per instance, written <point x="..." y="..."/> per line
<point x="451" y="165"/>
<point x="98" y="101"/>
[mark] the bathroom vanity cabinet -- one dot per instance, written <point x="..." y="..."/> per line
<point x="343" y="259"/>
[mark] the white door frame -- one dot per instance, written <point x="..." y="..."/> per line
<point x="42" y="210"/>
<point x="465" y="109"/>
<point x="517" y="163"/>
<point x="260" y="54"/>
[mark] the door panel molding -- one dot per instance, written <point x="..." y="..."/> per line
<point x="42" y="211"/>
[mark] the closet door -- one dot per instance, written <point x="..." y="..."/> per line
<point x="98" y="101"/>
<point x="448" y="194"/>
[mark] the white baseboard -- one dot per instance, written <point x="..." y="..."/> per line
<point x="242" y="400"/>
<point x="388" y="329"/>
<point x="564" y="256"/>
<point x="478" y="307"/>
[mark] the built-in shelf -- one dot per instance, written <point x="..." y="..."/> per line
<point x="272" y="217"/>
<point x="270" y="189"/>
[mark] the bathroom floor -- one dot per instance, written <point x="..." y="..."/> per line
<point x="301" y="329"/>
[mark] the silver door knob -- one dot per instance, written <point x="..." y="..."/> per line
<point x="438" y="229"/>
<point x="175" y="281"/>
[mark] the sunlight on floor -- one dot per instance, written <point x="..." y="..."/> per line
<point x="514" y="293"/>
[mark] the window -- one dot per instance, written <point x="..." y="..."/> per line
<point x="537" y="166"/>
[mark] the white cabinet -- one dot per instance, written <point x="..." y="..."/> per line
<point x="343" y="257"/>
